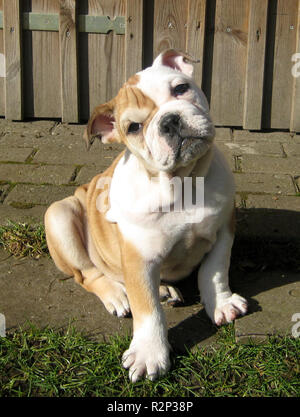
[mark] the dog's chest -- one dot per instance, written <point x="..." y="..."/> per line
<point x="186" y="253"/>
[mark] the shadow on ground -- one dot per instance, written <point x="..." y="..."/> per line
<point x="267" y="241"/>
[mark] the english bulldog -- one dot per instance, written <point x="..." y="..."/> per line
<point x="122" y="235"/>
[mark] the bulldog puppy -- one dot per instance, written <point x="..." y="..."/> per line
<point x="125" y="231"/>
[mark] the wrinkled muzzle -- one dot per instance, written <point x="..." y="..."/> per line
<point x="179" y="135"/>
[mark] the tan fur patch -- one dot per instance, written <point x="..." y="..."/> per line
<point x="142" y="302"/>
<point x="133" y="80"/>
<point x="101" y="229"/>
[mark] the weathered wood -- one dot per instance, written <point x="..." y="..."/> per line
<point x="45" y="98"/>
<point x="257" y="31"/>
<point x="229" y="62"/>
<point x="196" y="35"/>
<point x="133" y="37"/>
<point x="295" y="111"/>
<point x="170" y="24"/>
<point x="101" y="24"/>
<point x="106" y="55"/>
<point x="13" y="60"/>
<point x="2" y="69"/>
<point x="40" y="21"/>
<point x="68" y="61"/>
<point x="285" y="46"/>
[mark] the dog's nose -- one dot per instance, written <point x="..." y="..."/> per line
<point x="171" y="124"/>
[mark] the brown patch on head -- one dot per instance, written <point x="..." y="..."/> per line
<point x="111" y="120"/>
<point x="132" y="97"/>
<point x="133" y="106"/>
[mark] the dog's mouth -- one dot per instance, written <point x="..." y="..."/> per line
<point x="180" y="140"/>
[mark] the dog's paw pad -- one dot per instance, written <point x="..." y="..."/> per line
<point x="232" y="308"/>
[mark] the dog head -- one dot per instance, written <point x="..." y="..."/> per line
<point x="160" y="114"/>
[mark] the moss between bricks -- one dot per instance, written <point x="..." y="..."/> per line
<point x="20" y="205"/>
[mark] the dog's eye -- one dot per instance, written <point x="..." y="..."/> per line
<point x="134" y="127"/>
<point x="180" y="89"/>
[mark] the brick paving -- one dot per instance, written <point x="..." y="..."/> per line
<point x="43" y="161"/>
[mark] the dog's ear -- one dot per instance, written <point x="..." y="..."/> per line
<point x="102" y="125"/>
<point x="176" y="60"/>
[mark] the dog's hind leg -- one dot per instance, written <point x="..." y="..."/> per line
<point x="67" y="239"/>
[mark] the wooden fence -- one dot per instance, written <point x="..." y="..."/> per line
<point x="58" y="59"/>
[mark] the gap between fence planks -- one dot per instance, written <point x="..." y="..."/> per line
<point x="13" y="60"/>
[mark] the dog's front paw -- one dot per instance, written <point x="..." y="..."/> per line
<point x="146" y="358"/>
<point x="229" y="309"/>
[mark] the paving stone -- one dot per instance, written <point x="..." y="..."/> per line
<point x="14" y="154"/>
<point x="11" y="129"/>
<point x="77" y="154"/>
<point x="36" y="292"/>
<point x="228" y="154"/>
<point x="280" y="202"/>
<point x="32" y="215"/>
<point x="86" y="174"/>
<point x="37" y="140"/>
<point x="3" y="190"/>
<point x="261" y="220"/>
<point x="297" y="181"/>
<point x="256" y="148"/>
<point x="37" y="194"/>
<point x="264" y="183"/>
<point x="249" y="136"/>
<point x="223" y="134"/>
<point x="292" y="149"/>
<point x="274" y="297"/>
<point x="258" y="163"/>
<point x="36" y="174"/>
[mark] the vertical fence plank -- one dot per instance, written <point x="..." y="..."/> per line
<point x="134" y="37"/>
<point x="196" y="34"/>
<point x="68" y="60"/>
<point x="229" y="62"/>
<point x="253" y="99"/>
<point x="285" y="46"/>
<point x="2" y="69"/>
<point x="295" y="113"/>
<point x="46" y="85"/>
<point x="170" y="22"/>
<point x="106" y="54"/>
<point x="13" y="60"/>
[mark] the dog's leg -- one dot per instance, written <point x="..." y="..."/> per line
<point x="67" y="242"/>
<point x="220" y="304"/>
<point x="148" y="353"/>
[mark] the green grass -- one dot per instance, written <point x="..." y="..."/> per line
<point x="45" y="362"/>
<point x="36" y="362"/>
<point x="22" y="239"/>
